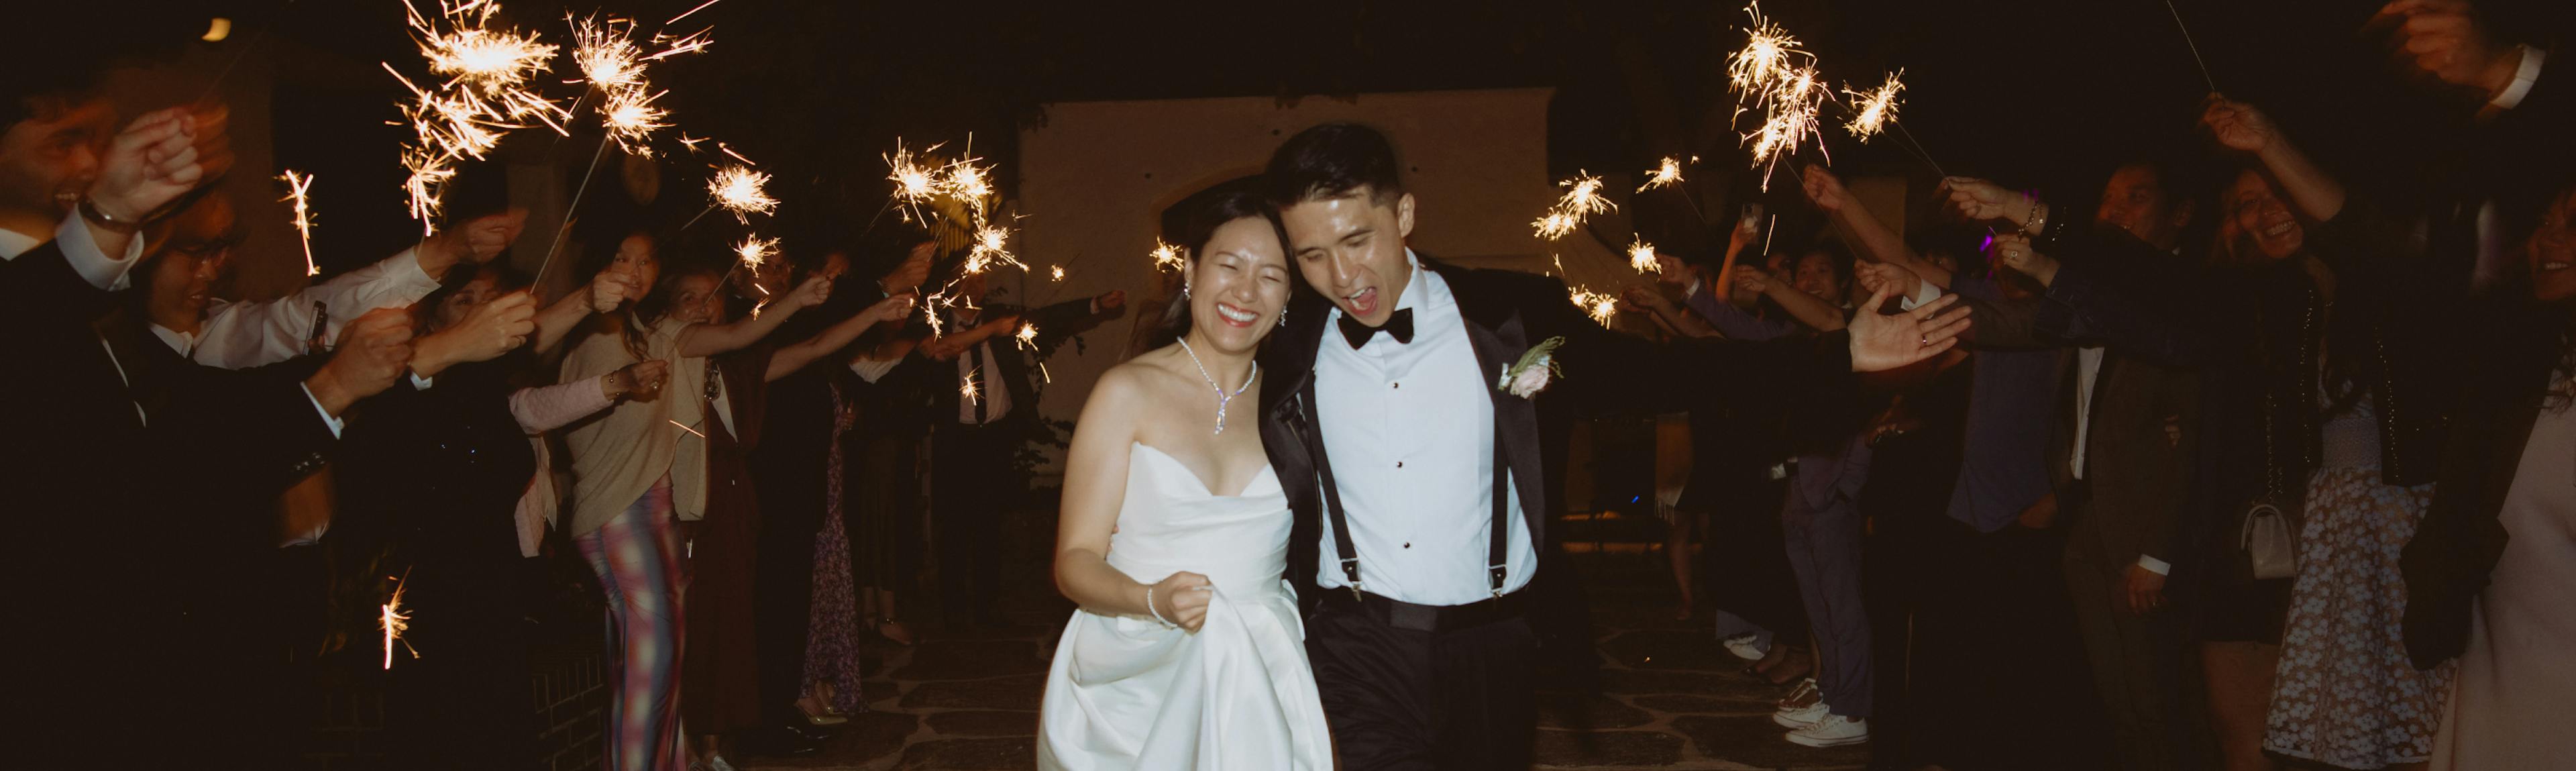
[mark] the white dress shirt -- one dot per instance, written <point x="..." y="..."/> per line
<point x="236" y="335"/>
<point x="92" y="263"/>
<point x="1410" y="432"/>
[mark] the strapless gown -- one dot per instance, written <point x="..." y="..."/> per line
<point x="1125" y="692"/>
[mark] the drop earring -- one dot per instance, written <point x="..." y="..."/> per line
<point x="1283" y="318"/>
<point x="1185" y="291"/>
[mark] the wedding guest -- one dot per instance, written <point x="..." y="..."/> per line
<point x="2356" y="431"/>
<point x="973" y="470"/>
<point x="810" y="599"/>
<point x="104" y="467"/>
<point x="2487" y="572"/>
<point x="883" y="456"/>
<point x="235" y="334"/>
<point x="435" y="475"/>
<point x="1736" y="484"/>
<point x="637" y="470"/>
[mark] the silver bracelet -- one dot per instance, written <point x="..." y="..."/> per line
<point x="1149" y="607"/>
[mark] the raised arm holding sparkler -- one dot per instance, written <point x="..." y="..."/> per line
<point x="795" y="356"/>
<point x="1871" y="239"/>
<point x="712" y="339"/>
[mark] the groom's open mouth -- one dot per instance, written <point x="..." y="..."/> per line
<point x="1362" y="303"/>
<point x="1237" y="316"/>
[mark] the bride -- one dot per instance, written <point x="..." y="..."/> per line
<point x="1187" y="651"/>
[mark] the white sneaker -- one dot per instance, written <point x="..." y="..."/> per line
<point x="1743" y="648"/>
<point x="1800" y="696"/>
<point x="1802" y="717"/>
<point x="1833" y="731"/>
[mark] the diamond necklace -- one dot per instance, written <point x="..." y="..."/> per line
<point x="1222" y="398"/>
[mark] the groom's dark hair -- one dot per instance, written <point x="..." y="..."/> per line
<point x="1334" y="160"/>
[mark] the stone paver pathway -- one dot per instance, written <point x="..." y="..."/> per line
<point x="1672" y="698"/>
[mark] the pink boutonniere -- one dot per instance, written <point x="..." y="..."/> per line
<point x="1535" y="370"/>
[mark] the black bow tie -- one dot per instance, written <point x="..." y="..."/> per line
<point x="1399" y="326"/>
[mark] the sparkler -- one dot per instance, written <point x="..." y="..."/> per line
<point x="1641" y="256"/>
<point x="989" y="250"/>
<point x="1600" y="307"/>
<point x="1582" y="199"/>
<point x="1768" y="53"/>
<point x="914" y="184"/>
<point x="1168" y="257"/>
<point x="1789" y="117"/>
<point x="970" y="390"/>
<point x="742" y="191"/>
<point x="2195" y="47"/>
<point x="1667" y="175"/>
<point x="754" y="251"/>
<point x="1028" y="336"/>
<point x="1872" y="110"/>
<point x="394" y="621"/>
<point x="1058" y="270"/>
<point x="486" y="93"/>
<point x="295" y="187"/>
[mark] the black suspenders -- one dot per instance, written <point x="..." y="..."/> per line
<point x="1497" y="546"/>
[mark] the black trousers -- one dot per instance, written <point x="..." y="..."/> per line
<point x="782" y="577"/>
<point x="2000" y="680"/>
<point x="971" y="481"/>
<point x="1405" y="699"/>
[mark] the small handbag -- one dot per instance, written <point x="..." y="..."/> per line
<point x="2271" y="549"/>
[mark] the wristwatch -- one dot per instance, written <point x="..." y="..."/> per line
<point x="89" y="211"/>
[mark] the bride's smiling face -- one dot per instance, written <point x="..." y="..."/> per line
<point x="1238" y="285"/>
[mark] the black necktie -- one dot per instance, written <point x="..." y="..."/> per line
<point x="1399" y="326"/>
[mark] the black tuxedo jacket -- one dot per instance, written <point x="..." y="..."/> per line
<point x="133" y="532"/>
<point x="1506" y="313"/>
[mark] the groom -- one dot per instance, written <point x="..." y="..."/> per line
<point x="1422" y="489"/>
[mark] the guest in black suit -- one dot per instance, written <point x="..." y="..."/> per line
<point x="142" y="531"/>
<point x="1424" y="646"/>
<point x="982" y="418"/>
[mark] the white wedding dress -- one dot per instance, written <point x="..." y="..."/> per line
<point x="1126" y="692"/>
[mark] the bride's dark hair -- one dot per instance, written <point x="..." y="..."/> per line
<point x="1202" y="225"/>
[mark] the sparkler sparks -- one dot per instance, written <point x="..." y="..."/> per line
<point x="610" y="61"/>
<point x="1768" y="54"/>
<point x="971" y="389"/>
<point x="1028" y="336"/>
<point x="1873" y="109"/>
<point x="1600" y="307"/>
<point x="1641" y="256"/>
<point x="1669" y="174"/>
<point x="295" y="187"/>
<point x="754" y="251"/>
<point x="486" y="93"/>
<point x="394" y="621"/>
<point x="1058" y="270"/>
<point x="1582" y="199"/>
<point x="1168" y="257"/>
<point x="914" y="183"/>
<point x="742" y="191"/>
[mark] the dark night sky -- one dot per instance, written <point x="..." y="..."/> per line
<point x="2042" y="93"/>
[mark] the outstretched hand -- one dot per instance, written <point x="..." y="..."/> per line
<point x="2446" y="39"/>
<point x="1824" y="189"/>
<point x="1978" y="200"/>
<point x="1885" y="342"/>
<point x="158" y="158"/>
<point x="373" y="351"/>
<point x="2237" y="125"/>
<point x="1887" y="278"/>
